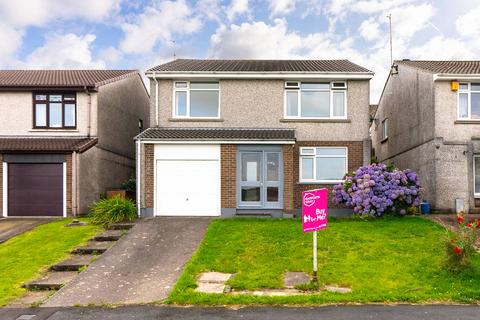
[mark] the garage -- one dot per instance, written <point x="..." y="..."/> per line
<point x="35" y="189"/>
<point x="187" y="180"/>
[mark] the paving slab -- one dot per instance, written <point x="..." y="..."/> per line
<point x="210" y="287"/>
<point x="53" y="280"/>
<point x="141" y="267"/>
<point x="109" y="235"/>
<point x="214" y="277"/>
<point x="121" y="226"/>
<point x="74" y="263"/>
<point x="94" y="247"/>
<point x="11" y="227"/>
<point x="292" y="279"/>
<point x="270" y="292"/>
<point x="337" y="289"/>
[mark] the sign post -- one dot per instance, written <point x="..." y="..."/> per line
<point x="314" y="218"/>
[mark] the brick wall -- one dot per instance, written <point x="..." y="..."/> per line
<point x="289" y="179"/>
<point x="355" y="160"/>
<point x="228" y="163"/>
<point x="149" y="175"/>
<point x="1" y="185"/>
<point x="68" y="160"/>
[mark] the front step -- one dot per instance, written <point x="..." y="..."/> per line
<point x="110" y="235"/>
<point x="121" y="226"/>
<point x="51" y="281"/>
<point x="74" y="263"/>
<point x="94" y="247"/>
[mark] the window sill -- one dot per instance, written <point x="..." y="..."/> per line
<point x="195" y="120"/>
<point x="467" y="121"/>
<point x="384" y="140"/>
<point x="320" y="182"/>
<point x="317" y="120"/>
<point x="53" y="130"/>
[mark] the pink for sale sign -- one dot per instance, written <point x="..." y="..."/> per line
<point x="314" y="209"/>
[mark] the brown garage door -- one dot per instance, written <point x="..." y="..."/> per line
<point x="35" y="189"/>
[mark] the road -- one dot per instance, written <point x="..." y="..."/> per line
<point x="365" y="312"/>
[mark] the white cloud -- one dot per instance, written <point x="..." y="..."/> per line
<point x="67" y="51"/>
<point x="158" y="23"/>
<point x="281" y="7"/>
<point x="237" y="7"/>
<point x="442" y="48"/>
<point x="469" y="24"/>
<point x="410" y="19"/>
<point x="22" y="13"/>
<point x="210" y="9"/>
<point x="11" y="41"/>
<point x="370" y="29"/>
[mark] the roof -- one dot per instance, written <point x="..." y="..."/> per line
<point x="448" y="67"/>
<point x="53" y="145"/>
<point x="61" y="78"/>
<point x="211" y="65"/>
<point x="217" y="134"/>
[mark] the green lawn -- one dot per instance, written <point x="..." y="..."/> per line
<point x="384" y="260"/>
<point x="24" y="257"/>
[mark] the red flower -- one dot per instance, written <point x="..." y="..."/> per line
<point x="470" y="225"/>
<point x="458" y="250"/>
<point x="478" y="223"/>
<point x="460" y="219"/>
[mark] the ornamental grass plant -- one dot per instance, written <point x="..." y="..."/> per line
<point x="113" y="210"/>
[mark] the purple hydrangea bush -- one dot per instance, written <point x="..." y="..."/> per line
<point x="377" y="189"/>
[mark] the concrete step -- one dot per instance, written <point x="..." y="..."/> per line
<point x="121" y="226"/>
<point x="110" y="235"/>
<point x="94" y="247"/>
<point x="51" y="281"/>
<point x="74" y="263"/>
<point x="31" y="299"/>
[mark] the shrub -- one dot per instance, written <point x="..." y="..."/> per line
<point x="460" y="245"/>
<point x="377" y="189"/>
<point x="130" y="185"/>
<point x="116" y="209"/>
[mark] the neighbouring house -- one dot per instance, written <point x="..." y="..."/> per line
<point x="66" y="136"/>
<point x="428" y="120"/>
<point x="233" y="137"/>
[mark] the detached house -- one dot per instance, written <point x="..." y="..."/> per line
<point x="233" y="137"/>
<point x="66" y="136"/>
<point x="428" y="120"/>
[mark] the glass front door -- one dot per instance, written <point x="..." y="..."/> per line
<point x="260" y="178"/>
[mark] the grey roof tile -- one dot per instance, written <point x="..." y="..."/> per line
<point x="438" y="66"/>
<point x="219" y="134"/>
<point x="31" y="144"/>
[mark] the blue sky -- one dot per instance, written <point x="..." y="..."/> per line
<point x="121" y="34"/>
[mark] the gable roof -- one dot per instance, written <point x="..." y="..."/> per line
<point x="217" y="134"/>
<point x="445" y="67"/>
<point x="61" y="78"/>
<point x="282" y="66"/>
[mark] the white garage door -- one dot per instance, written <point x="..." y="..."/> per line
<point x="188" y="180"/>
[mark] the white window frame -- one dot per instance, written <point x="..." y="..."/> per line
<point x="313" y="156"/>
<point x="187" y="90"/>
<point x="299" y="97"/>
<point x="476" y="193"/>
<point x="385" y="132"/>
<point x="469" y="100"/>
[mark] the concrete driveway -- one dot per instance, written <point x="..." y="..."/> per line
<point x="141" y="267"/>
<point x="11" y="227"/>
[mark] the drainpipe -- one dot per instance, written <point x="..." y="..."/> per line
<point x="139" y="191"/>
<point x="156" y="99"/>
<point x="89" y="111"/>
<point x="74" y="183"/>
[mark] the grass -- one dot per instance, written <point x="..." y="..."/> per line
<point x="24" y="257"/>
<point x="384" y="260"/>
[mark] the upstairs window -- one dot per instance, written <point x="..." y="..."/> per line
<point x="55" y="111"/>
<point x="469" y="101"/>
<point x="316" y="100"/>
<point x="196" y="99"/>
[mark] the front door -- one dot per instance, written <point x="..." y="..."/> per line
<point x="260" y="177"/>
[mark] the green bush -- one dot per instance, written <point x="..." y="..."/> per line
<point x="116" y="209"/>
<point x="460" y="245"/>
<point x="130" y="185"/>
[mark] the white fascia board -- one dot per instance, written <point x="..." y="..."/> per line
<point x="459" y="77"/>
<point x="261" y="75"/>
<point x="217" y="141"/>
